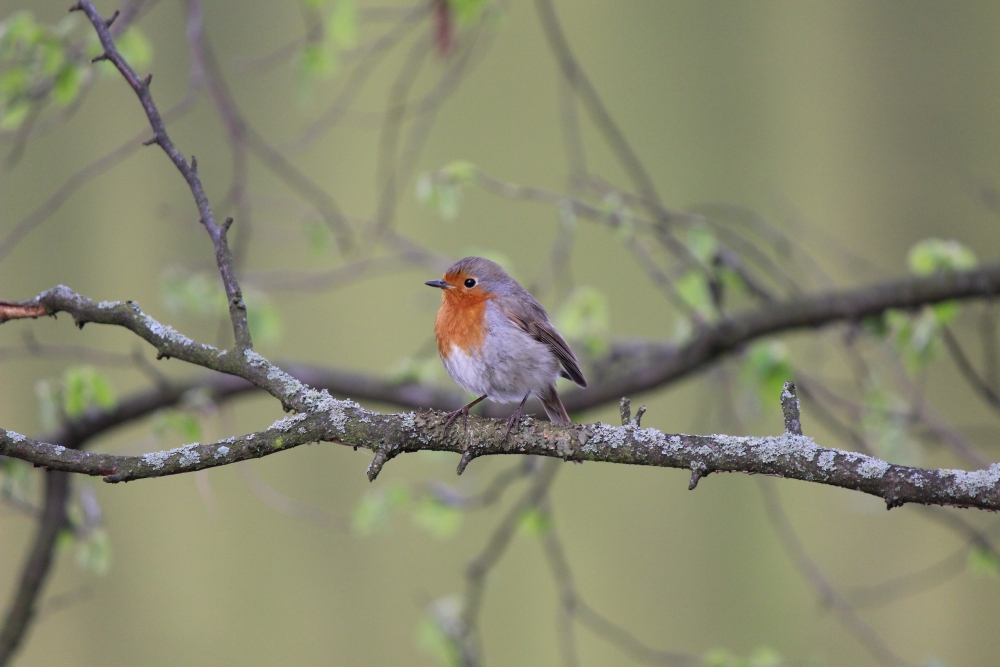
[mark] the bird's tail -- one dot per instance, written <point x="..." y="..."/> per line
<point x="554" y="407"/>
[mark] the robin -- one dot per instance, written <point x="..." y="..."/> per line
<point x="496" y="341"/>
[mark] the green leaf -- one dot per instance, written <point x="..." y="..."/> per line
<point x="93" y="552"/>
<point x="984" y="562"/>
<point x="467" y="11"/>
<point x="936" y="255"/>
<point x="135" y="48"/>
<point x="316" y="62"/>
<point x="585" y="316"/>
<point x="917" y="337"/>
<point x="264" y="318"/>
<point x="700" y="240"/>
<point x="534" y="522"/>
<point x="372" y="513"/>
<point x="19" y="30"/>
<point x="14" y="115"/>
<point x="438" y="630"/>
<point x="461" y="172"/>
<point x="445" y="188"/>
<point x="720" y="657"/>
<point x="342" y="26"/>
<point x="199" y="294"/>
<point x="67" y="85"/>
<point x="693" y="288"/>
<point x="49" y="394"/>
<point x="765" y="657"/>
<point x="885" y="428"/>
<point x="84" y="387"/>
<point x="317" y="236"/>
<point x="767" y="367"/>
<point x="15" y="480"/>
<point x="185" y="424"/>
<point x="437" y="518"/>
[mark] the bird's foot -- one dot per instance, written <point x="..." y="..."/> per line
<point x="452" y="416"/>
<point x="513" y="423"/>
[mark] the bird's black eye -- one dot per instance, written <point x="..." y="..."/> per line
<point x="470" y="282"/>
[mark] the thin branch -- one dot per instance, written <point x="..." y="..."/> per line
<point x="578" y="609"/>
<point x="223" y="256"/>
<point x="829" y="597"/>
<point x="978" y="384"/>
<point x="323" y="418"/>
<point x="36" y="567"/>
<point x="491" y="554"/>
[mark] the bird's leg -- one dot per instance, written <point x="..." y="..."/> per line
<point x="464" y="411"/>
<point x="515" y="419"/>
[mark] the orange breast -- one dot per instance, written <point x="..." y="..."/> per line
<point x="461" y="321"/>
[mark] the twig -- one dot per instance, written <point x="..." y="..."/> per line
<point x="829" y="597"/>
<point x="223" y="256"/>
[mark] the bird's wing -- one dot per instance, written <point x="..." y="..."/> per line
<point x="533" y="321"/>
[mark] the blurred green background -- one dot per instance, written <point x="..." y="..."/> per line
<point x="854" y="125"/>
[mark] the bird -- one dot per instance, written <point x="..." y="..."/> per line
<point x="496" y="341"/>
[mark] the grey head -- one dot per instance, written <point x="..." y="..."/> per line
<point x="478" y="273"/>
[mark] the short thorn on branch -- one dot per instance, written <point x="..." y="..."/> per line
<point x="148" y="80"/>
<point x="109" y="22"/>
<point x="638" y="416"/>
<point x="194" y="164"/>
<point x="464" y="462"/>
<point x="698" y="470"/>
<point x="152" y="140"/>
<point x="625" y="407"/>
<point x="97" y="59"/>
<point x="226" y="224"/>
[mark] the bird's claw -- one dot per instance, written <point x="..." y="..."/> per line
<point x="452" y="416"/>
<point x="513" y="422"/>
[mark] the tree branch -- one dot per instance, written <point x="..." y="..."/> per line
<point x="325" y="418"/>
<point x="223" y="256"/>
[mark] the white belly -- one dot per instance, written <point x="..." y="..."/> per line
<point x="468" y="370"/>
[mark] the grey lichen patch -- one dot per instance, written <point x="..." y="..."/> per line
<point x="612" y="435"/>
<point x="58" y="450"/>
<point x="156" y="460"/>
<point x="872" y="468"/>
<point x="974" y="482"/>
<point x="338" y="413"/>
<point x="108" y="305"/>
<point x="15" y="437"/>
<point x="255" y="359"/>
<point x="189" y="456"/>
<point x="287" y="423"/>
<point x="166" y="332"/>
<point x="408" y="421"/>
<point x="789" y="446"/>
<point x="221" y="453"/>
<point x="826" y="459"/>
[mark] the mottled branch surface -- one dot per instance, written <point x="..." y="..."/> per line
<point x="789" y="455"/>
<point x="323" y="418"/>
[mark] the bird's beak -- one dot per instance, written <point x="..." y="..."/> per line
<point x="440" y="284"/>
